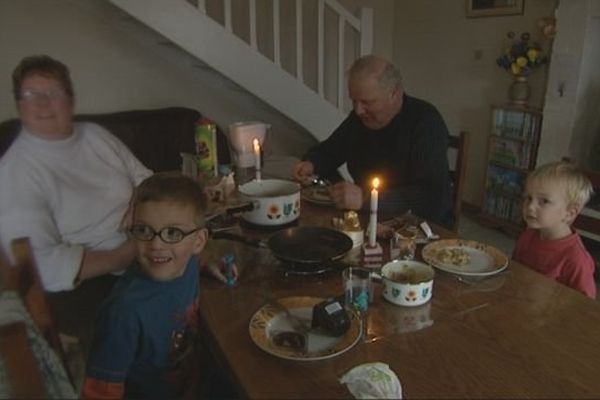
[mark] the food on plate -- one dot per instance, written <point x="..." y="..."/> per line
<point x="293" y="340"/>
<point x="320" y="193"/>
<point x="454" y="255"/>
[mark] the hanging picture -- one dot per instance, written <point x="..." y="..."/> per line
<point x="488" y="8"/>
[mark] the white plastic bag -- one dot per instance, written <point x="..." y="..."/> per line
<point x="373" y="381"/>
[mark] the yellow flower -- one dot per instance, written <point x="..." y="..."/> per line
<point x="515" y="69"/>
<point x="522" y="61"/>
<point x="532" y="54"/>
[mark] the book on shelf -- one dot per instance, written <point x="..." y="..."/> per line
<point x="502" y="180"/>
<point x="514" y="124"/>
<point x="509" y="152"/>
<point x="504" y="188"/>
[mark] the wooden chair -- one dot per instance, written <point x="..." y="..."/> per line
<point x="25" y="280"/>
<point x="459" y="145"/>
<point x="21" y="366"/>
<point x="588" y="221"/>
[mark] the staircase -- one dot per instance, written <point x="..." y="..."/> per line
<point x="220" y="46"/>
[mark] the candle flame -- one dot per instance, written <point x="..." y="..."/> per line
<point x="256" y="144"/>
<point x="375" y="183"/>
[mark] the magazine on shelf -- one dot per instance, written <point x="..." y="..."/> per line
<point x="503" y="180"/>
<point x="510" y="152"/>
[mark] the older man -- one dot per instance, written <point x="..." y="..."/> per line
<point x="399" y="138"/>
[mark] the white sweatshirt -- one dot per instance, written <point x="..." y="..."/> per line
<point x="66" y="196"/>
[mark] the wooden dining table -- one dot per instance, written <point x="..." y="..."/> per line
<point x="517" y="334"/>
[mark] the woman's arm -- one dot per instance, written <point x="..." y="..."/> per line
<point x="99" y="262"/>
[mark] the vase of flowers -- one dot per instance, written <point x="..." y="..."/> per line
<point x="521" y="58"/>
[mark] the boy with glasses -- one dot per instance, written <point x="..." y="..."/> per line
<point x="142" y="333"/>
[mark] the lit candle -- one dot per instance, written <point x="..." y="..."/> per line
<point x="373" y="217"/>
<point x="256" y="145"/>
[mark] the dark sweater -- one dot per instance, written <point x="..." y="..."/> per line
<point x="409" y="155"/>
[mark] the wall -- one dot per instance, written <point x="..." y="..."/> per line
<point x="118" y="65"/>
<point x="571" y="120"/>
<point x="449" y="60"/>
<point x="445" y="57"/>
<point x="383" y="36"/>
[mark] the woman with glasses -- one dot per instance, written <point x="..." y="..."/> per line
<point x="70" y="183"/>
<point x="66" y="186"/>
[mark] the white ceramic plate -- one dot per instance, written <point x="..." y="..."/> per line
<point x="483" y="259"/>
<point x="270" y="319"/>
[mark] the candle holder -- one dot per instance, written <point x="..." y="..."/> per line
<point x="372" y="256"/>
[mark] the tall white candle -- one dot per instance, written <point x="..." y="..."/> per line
<point x="373" y="216"/>
<point x="256" y="145"/>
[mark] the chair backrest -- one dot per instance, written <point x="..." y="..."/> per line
<point x="26" y="282"/>
<point x="460" y="146"/>
<point x="20" y="364"/>
<point x="588" y="222"/>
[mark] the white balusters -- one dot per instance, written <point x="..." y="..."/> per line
<point x="363" y="25"/>
<point x="227" y="13"/>
<point x="299" y="71"/>
<point x="321" y="47"/>
<point x="276" y="34"/>
<point x="340" y="62"/>
<point x="252" y="23"/>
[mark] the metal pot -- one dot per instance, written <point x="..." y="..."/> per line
<point x="276" y="201"/>
<point x="407" y="282"/>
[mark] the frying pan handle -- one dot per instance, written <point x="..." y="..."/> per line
<point x="242" y="208"/>
<point x="238" y="238"/>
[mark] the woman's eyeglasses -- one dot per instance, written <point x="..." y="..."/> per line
<point x="35" y="95"/>
<point x="168" y="234"/>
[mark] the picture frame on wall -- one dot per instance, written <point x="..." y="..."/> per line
<point x="491" y="8"/>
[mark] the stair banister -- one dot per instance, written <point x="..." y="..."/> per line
<point x="363" y="25"/>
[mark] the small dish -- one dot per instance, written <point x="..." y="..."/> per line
<point x="407" y="283"/>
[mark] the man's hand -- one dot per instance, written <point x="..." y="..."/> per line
<point x="346" y="196"/>
<point x="302" y="171"/>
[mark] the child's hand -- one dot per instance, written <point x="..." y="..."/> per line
<point x="224" y="271"/>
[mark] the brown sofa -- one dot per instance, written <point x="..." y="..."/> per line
<point x="156" y="137"/>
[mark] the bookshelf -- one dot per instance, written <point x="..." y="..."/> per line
<point x="511" y="154"/>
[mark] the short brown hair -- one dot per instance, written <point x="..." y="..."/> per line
<point x="579" y="189"/>
<point x="45" y="66"/>
<point x="176" y="187"/>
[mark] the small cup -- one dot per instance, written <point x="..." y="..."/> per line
<point x="357" y="288"/>
<point x="403" y="246"/>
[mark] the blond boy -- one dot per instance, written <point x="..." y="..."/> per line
<point x="554" y="195"/>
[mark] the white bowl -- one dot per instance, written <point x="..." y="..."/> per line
<point x="407" y="283"/>
<point x="276" y="201"/>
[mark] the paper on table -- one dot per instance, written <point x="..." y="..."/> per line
<point x="373" y="381"/>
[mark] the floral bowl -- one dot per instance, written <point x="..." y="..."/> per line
<point x="407" y="283"/>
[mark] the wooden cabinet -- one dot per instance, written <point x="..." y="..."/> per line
<point x="511" y="154"/>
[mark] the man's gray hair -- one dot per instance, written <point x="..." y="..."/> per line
<point x="387" y="75"/>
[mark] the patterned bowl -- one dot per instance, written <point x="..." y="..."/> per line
<point x="407" y="283"/>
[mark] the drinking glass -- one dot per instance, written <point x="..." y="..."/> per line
<point x="357" y="287"/>
<point x="403" y="246"/>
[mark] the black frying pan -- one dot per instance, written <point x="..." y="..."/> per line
<point x="300" y="245"/>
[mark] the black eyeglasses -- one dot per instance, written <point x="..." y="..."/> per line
<point x="168" y="234"/>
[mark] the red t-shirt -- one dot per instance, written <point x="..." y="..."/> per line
<point x="565" y="260"/>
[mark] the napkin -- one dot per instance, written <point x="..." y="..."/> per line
<point x="373" y="381"/>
